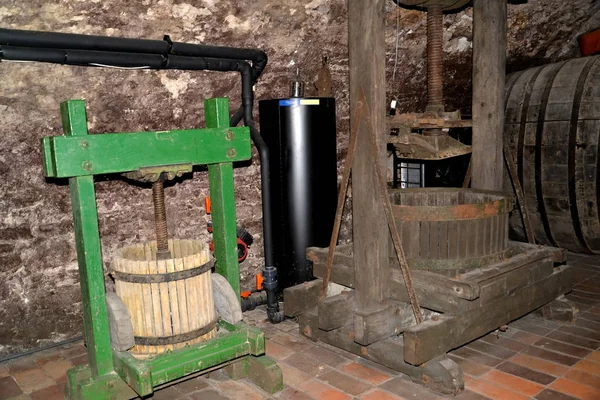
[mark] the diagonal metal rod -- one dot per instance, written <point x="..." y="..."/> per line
<point x="341" y="199"/>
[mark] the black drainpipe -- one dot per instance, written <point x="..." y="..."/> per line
<point x="99" y="51"/>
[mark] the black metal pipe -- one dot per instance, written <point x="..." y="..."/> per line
<point x="70" y="41"/>
<point x="254" y="300"/>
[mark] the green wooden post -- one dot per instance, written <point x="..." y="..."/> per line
<point x="89" y="255"/>
<point x="222" y="197"/>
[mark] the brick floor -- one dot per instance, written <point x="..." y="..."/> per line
<point x="534" y="359"/>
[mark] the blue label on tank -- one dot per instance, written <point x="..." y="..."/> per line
<point x="298" y="102"/>
<point x="289" y="102"/>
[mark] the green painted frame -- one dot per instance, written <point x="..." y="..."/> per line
<point x="79" y="156"/>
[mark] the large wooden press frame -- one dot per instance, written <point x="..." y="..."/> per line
<point x="367" y="320"/>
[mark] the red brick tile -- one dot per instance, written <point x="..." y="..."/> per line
<point x="206" y="394"/>
<point x="575" y="389"/>
<point x="378" y="394"/>
<point x="79" y="360"/>
<point x="564" y="348"/>
<point x="345" y="382"/>
<point x="504" y="342"/>
<point x="469" y="395"/>
<point x="525" y="337"/>
<point x="493" y="391"/>
<point x="192" y="385"/>
<point x="57" y="370"/>
<point x="574" y="340"/>
<point x="530" y="328"/>
<point x="475" y="356"/>
<point x="595" y="356"/>
<point x="277" y="351"/>
<point x="9" y="388"/>
<point x="47" y="356"/>
<point x="525" y="373"/>
<point x="551" y="356"/>
<point x="293" y="343"/>
<point x="492" y="350"/>
<point x="403" y="387"/>
<point x="293" y="394"/>
<point x="588" y="366"/>
<point x="586" y="333"/>
<point x="326" y="356"/>
<point x="539" y="365"/>
<point x="513" y="383"/>
<point x="307" y="364"/>
<point x="595" y="310"/>
<point x="293" y="376"/>
<point x="470" y="367"/>
<point x="21" y="365"/>
<point x="365" y="373"/>
<point x="584" y="378"/>
<point x="4" y="371"/>
<point x="168" y="393"/>
<point x="49" y="393"/>
<point x="584" y="323"/>
<point x="33" y="380"/>
<point x="74" y="350"/>
<point x="549" y="394"/>
<point x="320" y="391"/>
<point x="239" y="390"/>
<point x="589" y="316"/>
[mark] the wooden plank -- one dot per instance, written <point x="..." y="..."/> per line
<point x="302" y="297"/>
<point x="342" y="270"/>
<point x="366" y="47"/>
<point x="489" y="70"/>
<point x="336" y="311"/>
<point x="433" y="338"/>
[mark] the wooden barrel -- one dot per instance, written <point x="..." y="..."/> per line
<point x="451" y="230"/>
<point x="170" y="301"/>
<point x="552" y="126"/>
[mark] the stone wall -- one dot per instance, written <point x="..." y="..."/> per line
<point x="39" y="292"/>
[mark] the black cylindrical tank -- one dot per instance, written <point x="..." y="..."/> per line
<point x="301" y="137"/>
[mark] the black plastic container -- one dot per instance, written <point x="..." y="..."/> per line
<point x="301" y="137"/>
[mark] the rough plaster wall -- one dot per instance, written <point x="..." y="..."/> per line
<point x="39" y="293"/>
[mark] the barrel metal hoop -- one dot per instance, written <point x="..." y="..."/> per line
<point x="174" y="339"/>
<point x="166" y="277"/>
<point x="539" y="135"/>
<point x="572" y="153"/>
<point x="523" y="122"/>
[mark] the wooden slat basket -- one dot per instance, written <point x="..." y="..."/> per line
<point x="451" y="230"/>
<point x="170" y="301"/>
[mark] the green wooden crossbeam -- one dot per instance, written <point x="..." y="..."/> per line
<point x="71" y="156"/>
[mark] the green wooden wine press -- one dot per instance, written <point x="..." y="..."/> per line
<point x="113" y="374"/>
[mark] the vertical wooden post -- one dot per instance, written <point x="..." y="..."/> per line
<point x="489" y="69"/>
<point x="367" y="84"/>
<point x="89" y="253"/>
<point x="222" y="195"/>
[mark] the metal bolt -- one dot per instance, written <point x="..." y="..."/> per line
<point x="87" y="166"/>
<point x="84" y="144"/>
<point x="231" y="153"/>
<point x="229" y="135"/>
<point x="160" y="220"/>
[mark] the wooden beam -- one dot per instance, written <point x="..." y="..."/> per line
<point x="336" y="311"/>
<point x="435" y="337"/>
<point x="440" y="374"/>
<point x="489" y="69"/>
<point x="366" y="42"/>
<point x="302" y="297"/>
